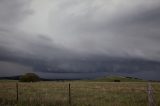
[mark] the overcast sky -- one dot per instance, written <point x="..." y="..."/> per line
<point x="120" y="28"/>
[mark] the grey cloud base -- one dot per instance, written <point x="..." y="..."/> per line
<point x="84" y="36"/>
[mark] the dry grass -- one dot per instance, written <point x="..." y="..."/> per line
<point x="83" y="93"/>
<point x="156" y="87"/>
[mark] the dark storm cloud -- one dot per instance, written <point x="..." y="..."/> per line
<point x="40" y="46"/>
<point x="13" y="69"/>
<point x="84" y="36"/>
<point x="116" y="28"/>
<point x="12" y="12"/>
<point x="141" y="32"/>
<point x="15" y="40"/>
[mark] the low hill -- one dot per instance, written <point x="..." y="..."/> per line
<point x="10" y="78"/>
<point x="118" y="79"/>
<point x="41" y="79"/>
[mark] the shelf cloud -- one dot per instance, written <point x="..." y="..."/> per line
<point x="78" y="30"/>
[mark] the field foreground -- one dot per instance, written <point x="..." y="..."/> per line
<point x="83" y="93"/>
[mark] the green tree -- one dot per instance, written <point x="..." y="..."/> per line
<point x="29" y="77"/>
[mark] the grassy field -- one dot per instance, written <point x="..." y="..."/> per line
<point x="83" y="93"/>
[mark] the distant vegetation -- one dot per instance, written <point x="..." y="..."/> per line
<point x="29" y="77"/>
<point x="118" y="79"/>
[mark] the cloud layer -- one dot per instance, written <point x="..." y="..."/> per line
<point x="110" y="27"/>
<point x="66" y="35"/>
<point x="114" y="28"/>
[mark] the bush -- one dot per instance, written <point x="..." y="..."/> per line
<point x="117" y="81"/>
<point x="29" y="77"/>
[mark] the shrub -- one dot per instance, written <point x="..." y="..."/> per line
<point x="29" y="77"/>
<point x="129" y="77"/>
<point x="117" y="81"/>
